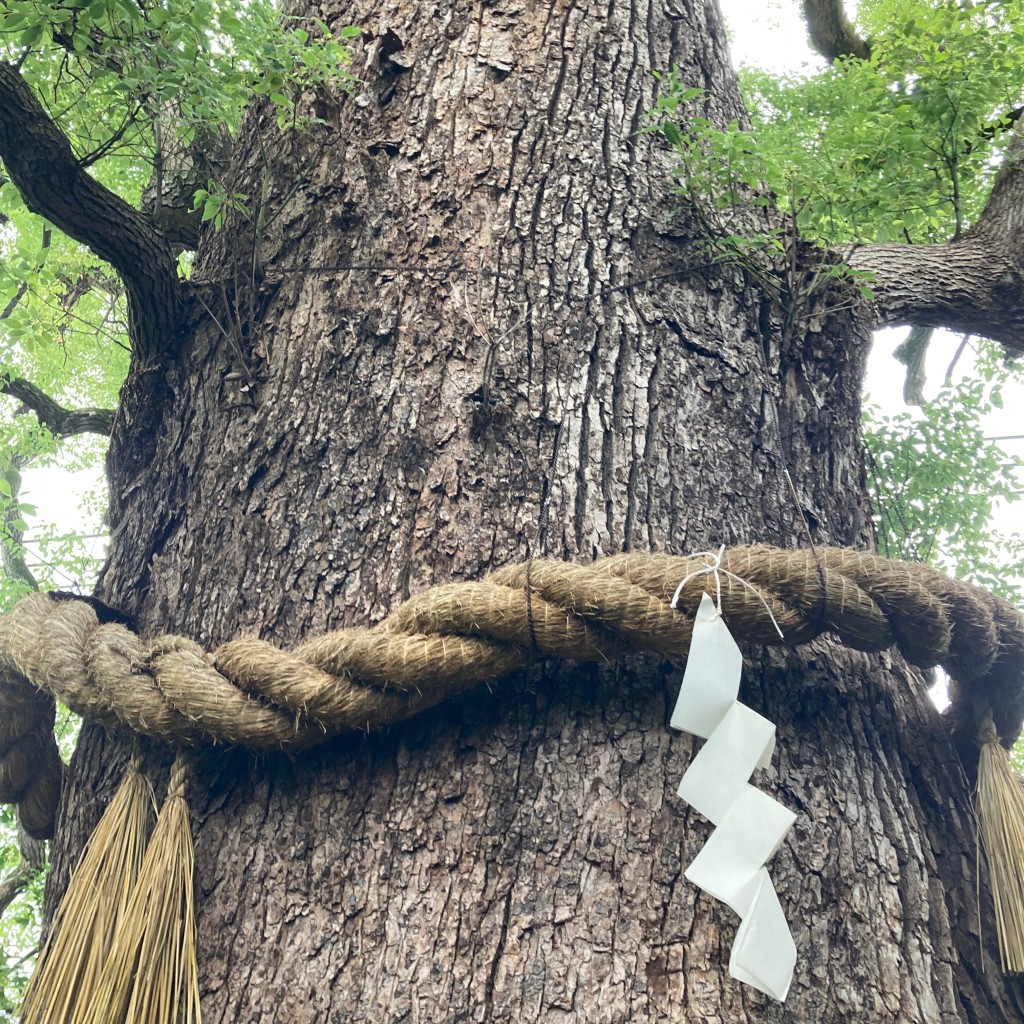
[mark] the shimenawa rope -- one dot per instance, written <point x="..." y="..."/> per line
<point x="444" y="640"/>
<point x="451" y="637"/>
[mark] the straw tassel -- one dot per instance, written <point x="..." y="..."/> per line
<point x="151" y="975"/>
<point x="67" y="973"/>
<point x="1000" y="805"/>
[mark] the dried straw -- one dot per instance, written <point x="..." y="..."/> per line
<point x="67" y="973"/>
<point x="1000" y="805"/>
<point x="151" y="975"/>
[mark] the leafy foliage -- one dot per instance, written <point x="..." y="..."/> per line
<point x="720" y="172"/>
<point x="124" y="62"/>
<point x="216" y="202"/>
<point x="900" y="147"/>
<point x="723" y="175"/>
<point x="129" y="83"/>
<point x="935" y="481"/>
<point x="903" y="146"/>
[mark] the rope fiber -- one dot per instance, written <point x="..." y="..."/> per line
<point x="451" y="637"/>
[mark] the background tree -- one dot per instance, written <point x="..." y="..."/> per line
<point x="459" y="320"/>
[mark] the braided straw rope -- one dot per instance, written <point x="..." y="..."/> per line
<point x="451" y="637"/>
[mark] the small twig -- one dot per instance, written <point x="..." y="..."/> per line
<point x="223" y="330"/>
<point x="964" y="339"/>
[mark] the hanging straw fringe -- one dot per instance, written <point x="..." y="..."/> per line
<point x="151" y="975"/>
<point x="67" y="973"/>
<point x="1000" y="804"/>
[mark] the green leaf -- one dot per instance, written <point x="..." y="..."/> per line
<point x="212" y="207"/>
<point x="31" y="35"/>
<point x="672" y="133"/>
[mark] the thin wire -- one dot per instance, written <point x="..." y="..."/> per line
<point x="789" y="483"/>
<point x="716" y="568"/>
<point x="529" y="608"/>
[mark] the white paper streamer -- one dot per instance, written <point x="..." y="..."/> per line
<point x="750" y="825"/>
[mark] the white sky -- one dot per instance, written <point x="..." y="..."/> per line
<point x="772" y="36"/>
<point x="769" y="35"/>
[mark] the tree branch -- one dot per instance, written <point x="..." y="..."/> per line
<point x="912" y="352"/>
<point x="13" y="884"/>
<point x="830" y="31"/>
<point x="58" y="420"/>
<point x="994" y="128"/>
<point x="40" y="162"/>
<point x="974" y="284"/>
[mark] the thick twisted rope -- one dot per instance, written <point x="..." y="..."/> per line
<point x="451" y="637"/>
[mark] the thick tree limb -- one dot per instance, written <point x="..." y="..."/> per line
<point x="41" y="164"/>
<point x="58" y="420"/>
<point x="974" y="284"/>
<point x="830" y="31"/>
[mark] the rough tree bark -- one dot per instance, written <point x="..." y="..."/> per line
<point x="465" y="332"/>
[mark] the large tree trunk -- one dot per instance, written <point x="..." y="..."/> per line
<point x="468" y="335"/>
